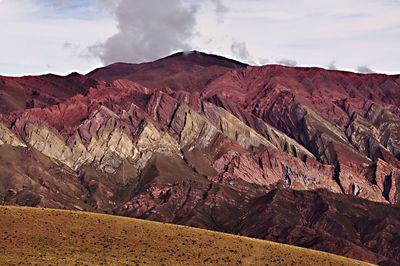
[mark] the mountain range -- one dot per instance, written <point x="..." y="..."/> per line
<point x="298" y="155"/>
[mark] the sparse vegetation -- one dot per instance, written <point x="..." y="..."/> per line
<point x="39" y="236"/>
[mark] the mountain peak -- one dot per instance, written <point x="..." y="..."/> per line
<point x="203" y="59"/>
<point x="186" y="70"/>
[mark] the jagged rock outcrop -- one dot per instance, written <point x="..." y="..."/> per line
<point x="299" y="155"/>
<point x="332" y="114"/>
<point x="124" y="121"/>
<point x="8" y="137"/>
<point x="312" y="219"/>
<point x="272" y="167"/>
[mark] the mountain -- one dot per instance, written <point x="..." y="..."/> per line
<point x="304" y="156"/>
<point x="18" y="94"/>
<point x="189" y="71"/>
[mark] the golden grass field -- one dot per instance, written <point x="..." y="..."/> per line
<point x="33" y="236"/>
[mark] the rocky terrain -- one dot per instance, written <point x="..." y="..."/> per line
<point x="304" y="156"/>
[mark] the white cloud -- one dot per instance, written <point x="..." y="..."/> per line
<point x="332" y="65"/>
<point x="32" y="39"/>
<point x="287" y="62"/>
<point x="354" y="32"/>
<point x="148" y="30"/>
<point x="364" y="69"/>
<point x="220" y="7"/>
<point x="239" y="50"/>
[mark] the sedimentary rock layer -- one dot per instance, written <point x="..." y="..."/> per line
<point x="300" y="155"/>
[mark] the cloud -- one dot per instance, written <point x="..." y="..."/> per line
<point x="68" y="44"/>
<point x="364" y="69"/>
<point x="77" y="51"/>
<point x="74" y="48"/>
<point x="313" y="34"/>
<point x="287" y="62"/>
<point x="332" y="65"/>
<point x="109" y="5"/>
<point x="220" y="7"/>
<point x="263" y="61"/>
<point x="147" y="30"/>
<point x="239" y="50"/>
<point x="220" y="10"/>
<point x="56" y="4"/>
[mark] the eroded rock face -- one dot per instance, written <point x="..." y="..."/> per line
<point x="107" y="145"/>
<point x="387" y="179"/>
<point x="343" y="119"/>
<point x="123" y="121"/>
<point x="8" y="137"/>
<point x="272" y="167"/>
<point x="288" y="154"/>
<point x="313" y="219"/>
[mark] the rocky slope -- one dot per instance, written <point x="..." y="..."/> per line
<point x="189" y="71"/>
<point x="18" y="94"/>
<point x="299" y="155"/>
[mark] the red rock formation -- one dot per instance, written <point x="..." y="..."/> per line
<point x="189" y="71"/>
<point x="271" y="152"/>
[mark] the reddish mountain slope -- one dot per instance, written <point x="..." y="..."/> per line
<point x="271" y="152"/>
<point x="190" y="71"/>
<point x="345" y="119"/>
<point x="17" y="94"/>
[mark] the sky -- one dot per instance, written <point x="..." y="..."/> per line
<point x="63" y="36"/>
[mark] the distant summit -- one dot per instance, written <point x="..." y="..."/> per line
<point x="191" y="71"/>
<point x="205" y="59"/>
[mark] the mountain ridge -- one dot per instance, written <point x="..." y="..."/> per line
<point x="199" y="143"/>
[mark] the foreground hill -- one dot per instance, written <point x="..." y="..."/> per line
<point x="47" y="236"/>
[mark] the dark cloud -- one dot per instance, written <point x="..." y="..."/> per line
<point x="287" y="62"/>
<point x="239" y="50"/>
<point x="147" y="30"/>
<point x="364" y="69"/>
